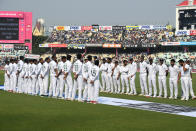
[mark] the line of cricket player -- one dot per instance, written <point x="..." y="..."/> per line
<point x="79" y="80"/>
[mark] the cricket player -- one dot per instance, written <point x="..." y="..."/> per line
<point x="61" y="80"/>
<point x="27" y="76"/>
<point x="19" y="74"/>
<point x="173" y="80"/>
<point x="39" y="87"/>
<point x="88" y="89"/>
<point x="45" y="76"/>
<point x="68" y="78"/>
<point x="78" y="80"/>
<point x="103" y="70"/>
<point x="152" y="77"/>
<point x="85" y="77"/>
<point x="131" y="76"/>
<point x="14" y="75"/>
<point x="190" y="83"/>
<point x="33" y="78"/>
<point x="24" y="74"/>
<point x="143" y="75"/>
<point x="163" y="72"/>
<point x="10" y="75"/>
<point x="53" y="76"/>
<point x="116" y="77"/>
<point x="184" y="79"/>
<point x="6" y="76"/>
<point x="110" y="66"/>
<point x="94" y="82"/>
<point x="124" y="70"/>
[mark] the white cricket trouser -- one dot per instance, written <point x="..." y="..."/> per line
<point x="104" y="80"/>
<point x="162" y="84"/>
<point x="39" y="87"/>
<point x="125" y="83"/>
<point x="132" y="85"/>
<point x="20" y="83"/>
<point x="85" y="92"/>
<point x="45" y="84"/>
<point x="116" y="84"/>
<point x="29" y="86"/>
<point x="57" y="86"/>
<point x="78" y="85"/>
<point x="190" y="84"/>
<point x="33" y="84"/>
<point x="6" y="82"/>
<point x="109" y="83"/>
<point x="13" y="82"/>
<point x="25" y="85"/>
<point x="143" y="84"/>
<point x="69" y="87"/>
<point x="95" y="90"/>
<point x="53" y="84"/>
<point x="185" y="87"/>
<point x="61" y="85"/>
<point x="90" y="90"/>
<point x="173" y="85"/>
<point x="152" y="82"/>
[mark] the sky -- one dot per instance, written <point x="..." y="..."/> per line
<point x="102" y="12"/>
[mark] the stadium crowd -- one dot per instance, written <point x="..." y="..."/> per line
<point x="127" y="37"/>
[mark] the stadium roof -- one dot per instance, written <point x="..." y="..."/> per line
<point x="186" y="3"/>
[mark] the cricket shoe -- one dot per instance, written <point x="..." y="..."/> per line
<point x="159" y="96"/>
<point x="171" y="98"/>
<point x="182" y="98"/>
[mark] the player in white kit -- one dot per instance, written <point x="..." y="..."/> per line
<point x="124" y="70"/>
<point x="87" y="90"/>
<point x="85" y="78"/>
<point x="61" y="80"/>
<point x="28" y="84"/>
<point x="152" y="77"/>
<point x="190" y="83"/>
<point x="110" y="66"/>
<point x="10" y="75"/>
<point x="68" y="78"/>
<point x="19" y="74"/>
<point x="24" y="72"/>
<point x="14" y="75"/>
<point x="173" y="80"/>
<point x="78" y="80"/>
<point x="39" y="85"/>
<point x="45" y="76"/>
<point x="143" y="75"/>
<point x="132" y="75"/>
<point x="103" y="70"/>
<point x="116" y="77"/>
<point x="6" y="76"/>
<point x="94" y="82"/>
<point x="53" y="76"/>
<point x="33" y="78"/>
<point x="163" y="72"/>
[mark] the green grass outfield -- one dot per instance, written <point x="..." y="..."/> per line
<point x="20" y="112"/>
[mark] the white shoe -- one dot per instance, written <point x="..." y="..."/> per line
<point x="171" y="98"/>
<point x="141" y="94"/>
<point x="154" y="96"/>
<point x="182" y="98"/>
<point x="159" y="96"/>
